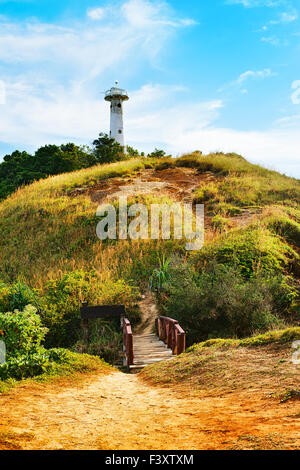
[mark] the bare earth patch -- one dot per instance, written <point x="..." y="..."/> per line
<point x="177" y="182"/>
<point x="149" y="313"/>
<point x="119" y="411"/>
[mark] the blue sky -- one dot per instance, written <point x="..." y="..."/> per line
<point x="208" y="75"/>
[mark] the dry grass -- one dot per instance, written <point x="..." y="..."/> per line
<point x="46" y="233"/>
<point x="262" y="363"/>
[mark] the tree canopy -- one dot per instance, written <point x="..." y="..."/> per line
<point x="107" y="150"/>
<point x="21" y="168"/>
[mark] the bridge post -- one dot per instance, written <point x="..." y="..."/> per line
<point x="85" y="326"/>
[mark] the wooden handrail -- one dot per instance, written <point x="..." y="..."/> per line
<point x="127" y="343"/>
<point x="171" y="333"/>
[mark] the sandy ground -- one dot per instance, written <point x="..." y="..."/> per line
<point x="149" y="313"/>
<point x="119" y="411"/>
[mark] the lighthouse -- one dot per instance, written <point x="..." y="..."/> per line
<point x="116" y="96"/>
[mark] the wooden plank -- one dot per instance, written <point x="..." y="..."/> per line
<point x="102" y="311"/>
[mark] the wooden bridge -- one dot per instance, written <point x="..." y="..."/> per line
<point x="140" y="350"/>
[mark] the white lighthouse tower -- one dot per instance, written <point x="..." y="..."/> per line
<point x="116" y="96"/>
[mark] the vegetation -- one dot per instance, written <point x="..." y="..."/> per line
<point x="220" y="365"/>
<point x="254" y="248"/>
<point x="23" y="334"/>
<point x="107" y="150"/>
<point x="59" y="310"/>
<point x="157" y="154"/>
<point x="160" y="275"/>
<point x="21" y="168"/>
<point x="244" y="281"/>
<point x="212" y="303"/>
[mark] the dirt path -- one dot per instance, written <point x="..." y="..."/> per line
<point x="149" y="314"/>
<point x="119" y="411"/>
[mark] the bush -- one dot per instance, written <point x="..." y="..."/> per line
<point x="63" y="298"/>
<point x="157" y="154"/>
<point x="26" y="357"/>
<point x="220" y="223"/>
<point x="28" y="365"/>
<point x="17" y="296"/>
<point x="285" y="227"/>
<point x="22" y="331"/>
<point x="220" y="302"/>
<point x="253" y="249"/>
<point x="23" y="334"/>
<point x="107" y="150"/>
<point x="105" y="340"/>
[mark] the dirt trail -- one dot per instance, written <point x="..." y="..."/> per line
<point x="119" y="411"/>
<point x="149" y="313"/>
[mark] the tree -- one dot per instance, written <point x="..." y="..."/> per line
<point x="132" y="152"/>
<point x="21" y="168"/>
<point x="107" y="150"/>
<point x="157" y="154"/>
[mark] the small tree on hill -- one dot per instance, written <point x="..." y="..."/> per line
<point x="107" y="150"/>
<point x="132" y="152"/>
<point x="157" y="154"/>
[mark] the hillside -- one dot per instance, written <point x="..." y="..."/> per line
<point x="48" y="228"/>
<point x="48" y="241"/>
<point x="237" y="299"/>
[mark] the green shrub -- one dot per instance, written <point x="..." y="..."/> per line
<point x="227" y="209"/>
<point x="105" y="340"/>
<point x="220" y="302"/>
<point x="22" y="332"/>
<point x="45" y="363"/>
<point x="252" y="249"/>
<point x="160" y="275"/>
<point x="27" y="365"/>
<point x="63" y="298"/>
<point x="157" y="154"/>
<point x="220" y="223"/>
<point x="285" y="227"/>
<point x="17" y="296"/>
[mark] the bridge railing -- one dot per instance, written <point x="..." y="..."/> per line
<point x="127" y="343"/>
<point x="171" y="333"/>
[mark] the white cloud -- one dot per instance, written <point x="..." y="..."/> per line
<point x="260" y="74"/>
<point x="245" y="76"/>
<point x="285" y="17"/>
<point x="274" y="148"/>
<point x="135" y="32"/>
<point x="57" y="99"/>
<point x="144" y="14"/>
<point x="273" y="40"/>
<point x="255" y="3"/>
<point x="296" y="95"/>
<point x="57" y="95"/>
<point x="153" y="117"/>
<point x="152" y="120"/>
<point x="289" y="17"/>
<point x="2" y="92"/>
<point x="289" y="121"/>
<point x="96" y="13"/>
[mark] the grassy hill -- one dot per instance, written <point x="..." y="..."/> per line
<point x="46" y="230"/>
<point x="51" y="257"/>
<point x="262" y="363"/>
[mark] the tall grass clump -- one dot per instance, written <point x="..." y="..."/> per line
<point x="253" y="249"/>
